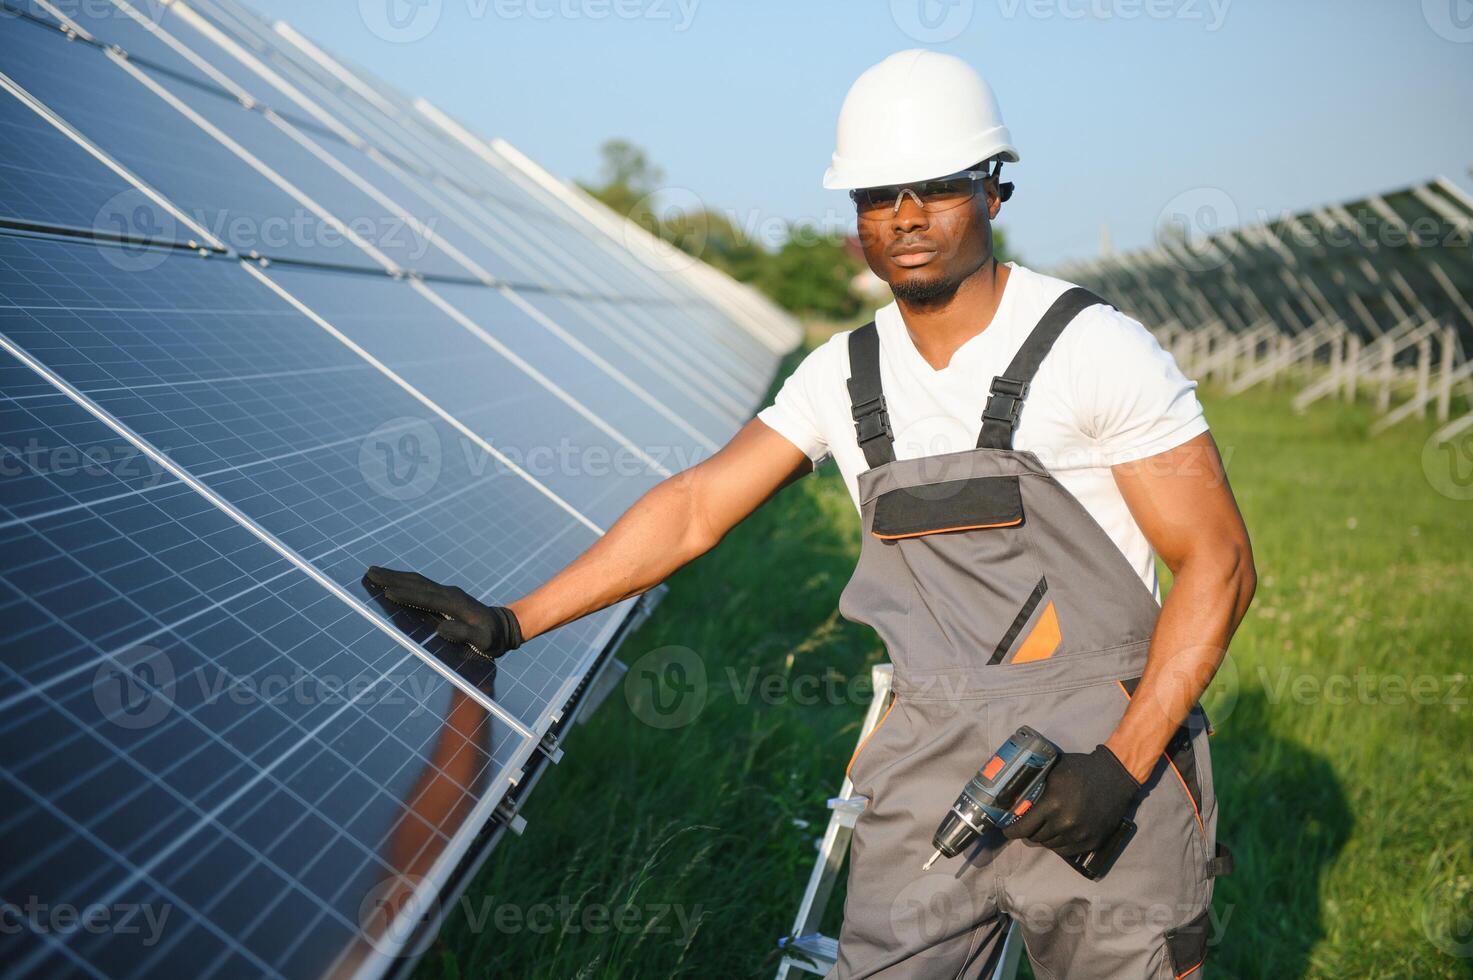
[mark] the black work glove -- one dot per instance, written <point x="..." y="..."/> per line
<point x="1084" y="800"/>
<point x="488" y="630"/>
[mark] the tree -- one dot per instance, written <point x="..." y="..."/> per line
<point x="812" y="275"/>
<point x="628" y="178"/>
<point x="713" y="238"/>
<point x="1000" y="246"/>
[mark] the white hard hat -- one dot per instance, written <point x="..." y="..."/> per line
<point x="915" y="116"/>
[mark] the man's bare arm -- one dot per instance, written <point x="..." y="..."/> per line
<point x="1183" y="504"/>
<point x="674" y="523"/>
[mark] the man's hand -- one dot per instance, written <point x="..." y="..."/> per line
<point x="488" y="630"/>
<point x="1084" y="800"/>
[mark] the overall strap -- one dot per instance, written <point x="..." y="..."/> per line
<point x="1005" y="397"/>
<point x="866" y="400"/>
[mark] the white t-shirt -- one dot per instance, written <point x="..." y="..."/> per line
<point x="1106" y="393"/>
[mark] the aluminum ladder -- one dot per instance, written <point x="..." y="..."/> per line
<point x="807" y="950"/>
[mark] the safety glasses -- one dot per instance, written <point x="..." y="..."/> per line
<point x="941" y="194"/>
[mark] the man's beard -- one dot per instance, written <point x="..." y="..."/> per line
<point x="926" y="292"/>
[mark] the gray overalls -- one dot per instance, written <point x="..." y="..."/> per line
<point x="1002" y="603"/>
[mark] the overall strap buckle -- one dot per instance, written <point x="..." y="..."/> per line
<point x="1222" y="863"/>
<point x="871" y="420"/>
<point x="1005" y="406"/>
<point x="1005" y="401"/>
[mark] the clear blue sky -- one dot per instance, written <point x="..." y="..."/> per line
<point x="1119" y="107"/>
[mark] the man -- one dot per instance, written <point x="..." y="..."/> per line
<point x="1019" y="452"/>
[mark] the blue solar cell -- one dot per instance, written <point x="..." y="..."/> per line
<point x="554" y="245"/>
<point x="407" y="137"/>
<point x="207" y="181"/>
<point x="435" y="209"/>
<point x="587" y="259"/>
<point x="185" y="714"/>
<point x="681" y="336"/>
<point x="395" y="177"/>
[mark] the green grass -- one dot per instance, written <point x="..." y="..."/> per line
<point x="1346" y="790"/>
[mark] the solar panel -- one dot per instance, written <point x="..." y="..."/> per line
<point x="557" y="243"/>
<point x="1369" y="264"/>
<point x="194" y="681"/>
<point x="1374" y="293"/>
<point x="730" y="380"/>
<point x="478" y="251"/>
<point x="206" y="435"/>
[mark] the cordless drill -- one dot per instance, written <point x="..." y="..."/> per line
<point x="1004" y="789"/>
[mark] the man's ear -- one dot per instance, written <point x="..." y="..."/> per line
<point x="994" y="199"/>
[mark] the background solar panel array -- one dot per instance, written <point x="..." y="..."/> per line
<point x="1367" y="264"/>
<point x="263" y="323"/>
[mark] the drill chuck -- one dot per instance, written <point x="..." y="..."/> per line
<point x="963" y="823"/>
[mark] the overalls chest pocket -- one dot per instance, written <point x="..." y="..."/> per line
<point x="973" y="504"/>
